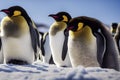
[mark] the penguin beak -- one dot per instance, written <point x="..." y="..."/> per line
<point x="5" y="11"/>
<point x="54" y="16"/>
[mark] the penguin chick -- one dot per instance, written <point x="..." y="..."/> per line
<point x="20" y="38"/>
<point x="90" y="44"/>
<point x="58" y="39"/>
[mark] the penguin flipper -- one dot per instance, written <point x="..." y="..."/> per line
<point x="100" y="47"/>
<point x="37" y="33"/>
<point x="0" y="44"/>
<point x="34" y="39"/>
<point x="111" y="55"/>
<point x="43" y="42"/>
<point x="1" y="53"/>
<point x="117" y="38"/>
<point x="65" y="47"/>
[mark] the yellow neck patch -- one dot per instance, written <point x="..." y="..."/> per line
<point x="85" y="32"/>
<point x="80" y="26"/>
<point x="65" y="18"/>
<point x="17" y="13"/>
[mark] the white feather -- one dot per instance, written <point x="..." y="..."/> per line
<point x="47" y="50"/>
<point x="56" y="44"/>
<point x="18" y="48"/>
<point x="83" y="52"/>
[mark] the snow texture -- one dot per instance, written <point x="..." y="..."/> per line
<point x="41" y="71"/>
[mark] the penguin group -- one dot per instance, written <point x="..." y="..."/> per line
<point x="69" y="42"/>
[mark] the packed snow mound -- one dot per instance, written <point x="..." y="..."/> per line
<point x="40" y="71"/>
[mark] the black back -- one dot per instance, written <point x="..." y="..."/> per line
<point x="107" y="52"/>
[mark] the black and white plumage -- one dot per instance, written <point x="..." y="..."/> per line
<point x="91" y="44"/>
<point x="117" y="37"/>
<point x="114" y="27"/>
<point x="58" y="39"/>
<point x="45" y="49"/>
<point x="20" y="38"/>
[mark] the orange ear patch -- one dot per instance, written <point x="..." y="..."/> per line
<point x="17" y="13"/>
<point x="80" y="26"/>
<point x="65" y="18"/>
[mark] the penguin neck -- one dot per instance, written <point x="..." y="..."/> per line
<point x="83" y="34"/>
<point x="57" y="27"/>
<point x="28" y="19"/>
<point x="13" y="26"/>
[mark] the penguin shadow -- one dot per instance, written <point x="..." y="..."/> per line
<point x="15" y="68"/>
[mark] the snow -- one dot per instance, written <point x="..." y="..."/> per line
<point x="42" y="71"/>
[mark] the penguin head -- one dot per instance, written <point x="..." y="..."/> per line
<point x="80" y="28"/>
<point x="114" y="28"/>
<point x="18" y="15"/>
<point x="79" y="23"/>
<point x="114" y="25"/>
<point x="75" y="24"/>
<point x="61" y="16"/>
<point x="15" y="11"/>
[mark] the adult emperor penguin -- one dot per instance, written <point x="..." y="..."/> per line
<point x="117" y="37"/>
<point x="58" y="39"/>
<point x="90" y="44"/>
<point x="45" y="48"/>
<point x="20" y="38"/>
<point x="114" y="28"/>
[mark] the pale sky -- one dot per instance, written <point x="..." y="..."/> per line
<point x="107" y="11"/>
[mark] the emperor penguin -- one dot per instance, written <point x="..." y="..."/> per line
<point x="20" y="37"/>
<point x="91" y="44"/>
<point x="45" y="48"/>
<point x="58" y="39"/>
<point x="117" y="37"/>
<point x="114" y="28"/>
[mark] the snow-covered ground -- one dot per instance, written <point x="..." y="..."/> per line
<point x="40" y="71"/>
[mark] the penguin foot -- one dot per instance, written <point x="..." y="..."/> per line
<point x="17" y="62"/>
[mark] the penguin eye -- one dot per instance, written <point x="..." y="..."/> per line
<point x="17" y="13"/>
<point x="65" y="18"/>
<point x="80" y="26"/>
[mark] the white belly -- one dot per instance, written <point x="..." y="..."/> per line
<point x="47" y="50"/>
<point x="82" y="53"/>
<point x="56" y="44"/>
<point x="18" y="48"/>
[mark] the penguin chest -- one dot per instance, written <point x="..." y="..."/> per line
<point x="18" y="48"/>
<point x="83" y="51"/>
<point x="56" y="43"/>
<point x="47" y="50"/>
<point x="14" y="27"/>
